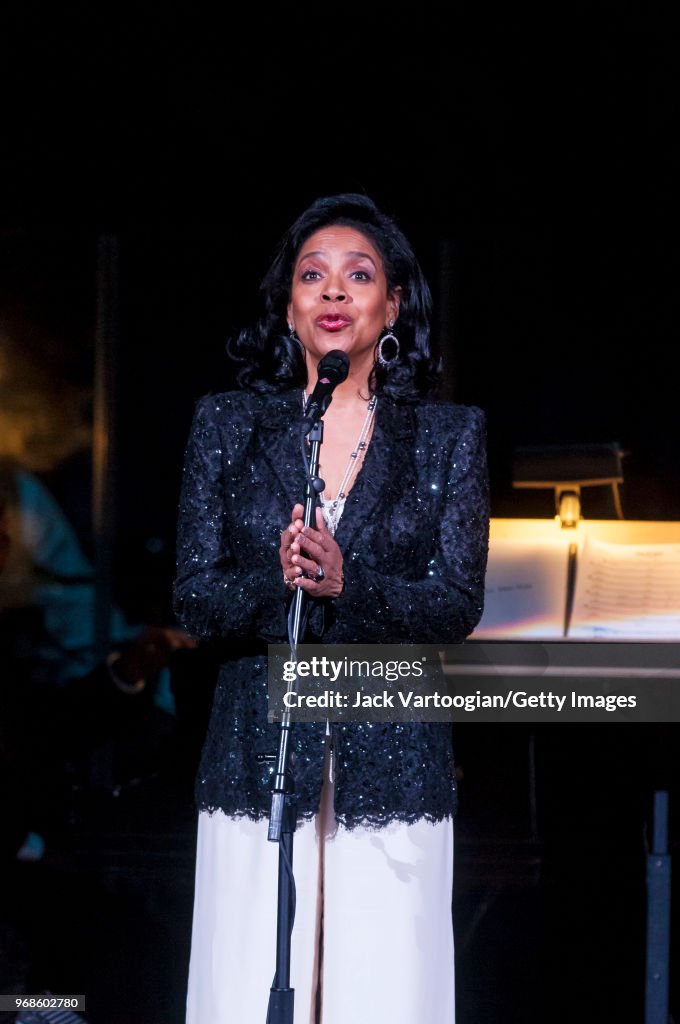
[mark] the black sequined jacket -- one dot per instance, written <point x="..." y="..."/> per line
<point x="414" y="536"/>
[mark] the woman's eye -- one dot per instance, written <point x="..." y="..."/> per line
<point x="310" y="275"/>
<point x="361" y="275"/>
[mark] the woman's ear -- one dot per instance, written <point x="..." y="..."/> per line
<point x="393" y="303"/>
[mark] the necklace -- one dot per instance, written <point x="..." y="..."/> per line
<point x="332" y="507"/>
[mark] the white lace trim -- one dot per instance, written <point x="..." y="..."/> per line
<point x="330" y="514"/>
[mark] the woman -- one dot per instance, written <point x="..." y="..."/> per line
<point x="397" y="555"/>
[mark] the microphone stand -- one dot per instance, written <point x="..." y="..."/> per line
<point x="283" y="816"/>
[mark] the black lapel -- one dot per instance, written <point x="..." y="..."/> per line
<point x="279" y="439"/>
<point x="381" y="478"/>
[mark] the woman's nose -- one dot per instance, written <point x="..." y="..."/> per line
<point x="332" y="293"/>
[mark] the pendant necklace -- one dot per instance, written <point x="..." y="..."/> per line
<point x="332" y="507"/>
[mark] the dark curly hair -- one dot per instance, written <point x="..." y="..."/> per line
<point x="268" y="360"/>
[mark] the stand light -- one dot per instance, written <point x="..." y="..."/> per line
<point x="566" y="469"/>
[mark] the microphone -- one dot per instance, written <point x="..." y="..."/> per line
<point x="332" y="369"/>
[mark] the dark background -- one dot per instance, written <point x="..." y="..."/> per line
<point x="532" y="159"/>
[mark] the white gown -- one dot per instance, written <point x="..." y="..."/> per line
<point x="373" y="925"/>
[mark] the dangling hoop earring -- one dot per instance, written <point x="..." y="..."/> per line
<point x="393" y="340"/>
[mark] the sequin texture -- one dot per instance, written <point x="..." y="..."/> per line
<point x="414" y="537"/>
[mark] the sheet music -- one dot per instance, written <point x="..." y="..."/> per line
<point x="627" y="591"/>
<point x="525" y="590"/>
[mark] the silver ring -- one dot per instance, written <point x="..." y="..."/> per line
<point x="320" y="575"/>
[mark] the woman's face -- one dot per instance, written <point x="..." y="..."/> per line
<point x="339" y="297"/>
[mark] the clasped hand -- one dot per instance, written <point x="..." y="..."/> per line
<point x="307" y="554"/>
